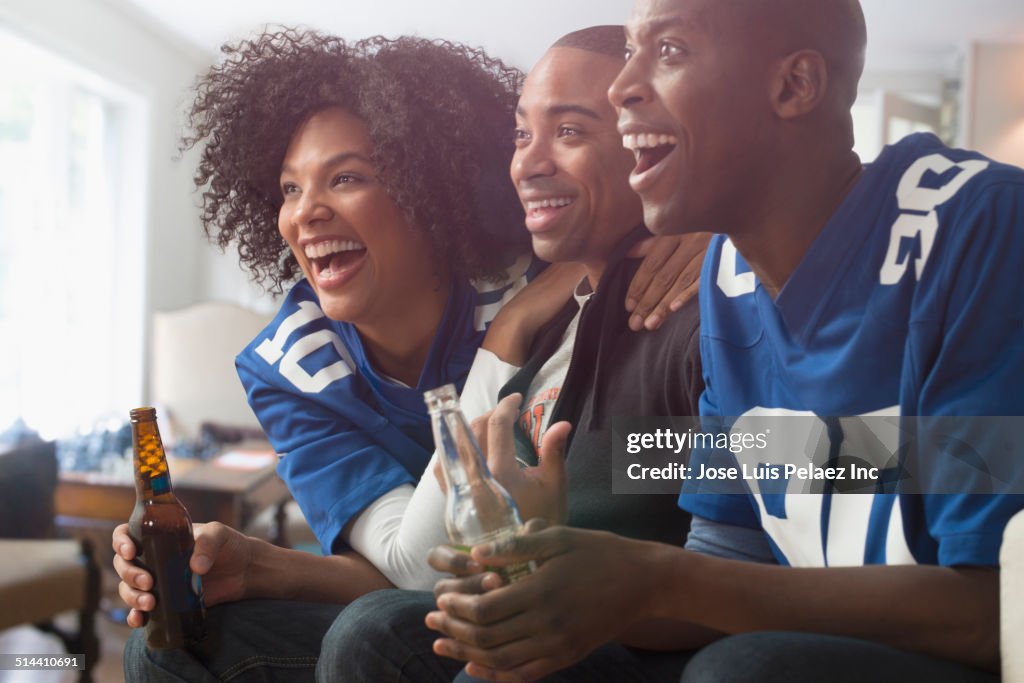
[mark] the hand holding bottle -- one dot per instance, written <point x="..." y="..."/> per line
<point x="477" y="508"/>
<point x="222" y="557"/>
<point x="538" y="491"/>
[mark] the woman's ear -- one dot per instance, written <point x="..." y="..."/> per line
<point x="799" y="83"/>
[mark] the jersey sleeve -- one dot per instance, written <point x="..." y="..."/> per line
<point x="397" y="531"/>
<point x="722" y="501"/>
<point x="486" y="377"/>
<point x="331" y="465"/>
<point x="729" y="541"/>
<point x="966" y="358"/>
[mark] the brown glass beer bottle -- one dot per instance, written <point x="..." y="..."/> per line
<point x="161" y="528"/>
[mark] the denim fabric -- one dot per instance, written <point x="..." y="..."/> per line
<point x="253" y="641"/>
<point x="381" y="638"/>
<point x="811" y="657"/>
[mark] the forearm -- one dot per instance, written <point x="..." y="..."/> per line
<point x="286" y="574"/>
<point x="667" y="636"/>
<point x="944" y="612"/>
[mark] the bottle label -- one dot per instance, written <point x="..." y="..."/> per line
<point x="161" y="484"/>
<point x="510" y="573"/>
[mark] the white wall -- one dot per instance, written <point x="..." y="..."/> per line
<point x="994" y="120"/>
<point x="116" y="42"/>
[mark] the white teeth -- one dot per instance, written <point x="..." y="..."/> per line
<point x="328" y="247"/>
<point x="555" y="202"/>
<point x="647" y="140"/>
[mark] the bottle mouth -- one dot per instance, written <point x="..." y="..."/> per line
<point x="441" y="398"/>
<point x="145" y="414"/>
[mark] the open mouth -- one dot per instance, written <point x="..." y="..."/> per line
<point x="331" y="258"/>
<point x="650" y="149"/>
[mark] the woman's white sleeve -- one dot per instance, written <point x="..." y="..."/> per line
<point x="397" y="530"/>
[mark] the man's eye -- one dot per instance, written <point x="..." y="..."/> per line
<point x="520" y="135"/>
<point x="669" y="50"/>
<point x="628" y="53"/>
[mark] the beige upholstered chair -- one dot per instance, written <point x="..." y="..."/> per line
<point x="193" y="365"/>
<point x="1011" y="600"/>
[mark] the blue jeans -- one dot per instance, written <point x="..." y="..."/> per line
<point x="381" y="638"/>
<point x="253" y="641"/>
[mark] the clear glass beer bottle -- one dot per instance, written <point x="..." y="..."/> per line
<point x="161" y="528"/>
<point x="478" y="509"/>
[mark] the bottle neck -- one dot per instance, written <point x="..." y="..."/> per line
<point x="461" y="460"/>
<point x="152" y="475"/>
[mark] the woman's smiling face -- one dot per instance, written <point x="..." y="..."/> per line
<point x="353" y="243"/>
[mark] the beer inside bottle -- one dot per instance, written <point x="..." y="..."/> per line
<point x="478" y="509"/>
<point x="161" y="528"/>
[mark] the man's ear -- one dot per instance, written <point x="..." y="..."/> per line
<point x="799" y="83"/>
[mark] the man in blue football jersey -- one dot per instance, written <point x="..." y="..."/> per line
<point x="836" y="290"/>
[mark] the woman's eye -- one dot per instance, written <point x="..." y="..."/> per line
<point x="289" y="188"/>
<point x="568" y="131"/>
<point x="520" y="135"/>
<point x="345" y="179"/>
<point x="628" y="53"/>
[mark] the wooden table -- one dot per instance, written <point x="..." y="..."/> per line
<point x="225" y="489"/>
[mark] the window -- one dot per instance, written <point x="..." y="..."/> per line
<point x="71" y="243"/>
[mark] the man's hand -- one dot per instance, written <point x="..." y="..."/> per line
<point x="667" y="278"/>
<point x="538" y="491"/>
<point x="222" y="557"/>
<point x="512" y="331"/>
<point x="588" y="588"/>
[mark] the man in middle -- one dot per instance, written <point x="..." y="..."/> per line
<point x="585" y="366"/>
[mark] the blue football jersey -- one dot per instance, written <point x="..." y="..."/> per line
<point x="910" y="303"/>
<point x="345" y="433"/>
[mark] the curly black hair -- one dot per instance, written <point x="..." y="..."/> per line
<point x="439" y="114"/>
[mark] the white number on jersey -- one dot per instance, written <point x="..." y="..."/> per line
<point x="731" y="283"/>
<point x="272" y="349"/>
<point x="798" y="534"/>
<point x="922" y="201"/>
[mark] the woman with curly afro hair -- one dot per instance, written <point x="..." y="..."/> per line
<point x="377" y="172"/>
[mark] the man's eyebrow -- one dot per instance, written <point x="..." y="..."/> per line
<point x="659" y="25"/>
<point x="557" y="109"/>
<point x="335" y="160"/>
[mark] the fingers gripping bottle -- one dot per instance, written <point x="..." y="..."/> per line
<point x="478" y="509"/>
<point x="161" y="528"/>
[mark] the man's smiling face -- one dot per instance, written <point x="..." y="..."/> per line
<point x="570" y="168"/>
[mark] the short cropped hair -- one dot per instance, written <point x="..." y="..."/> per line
<point x="606" y="40"/>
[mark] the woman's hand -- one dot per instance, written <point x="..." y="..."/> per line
<point x="222" y="556"/>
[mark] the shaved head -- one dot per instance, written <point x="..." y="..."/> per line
<point x="604" y="40"/>
<point x="833" y="28"/>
